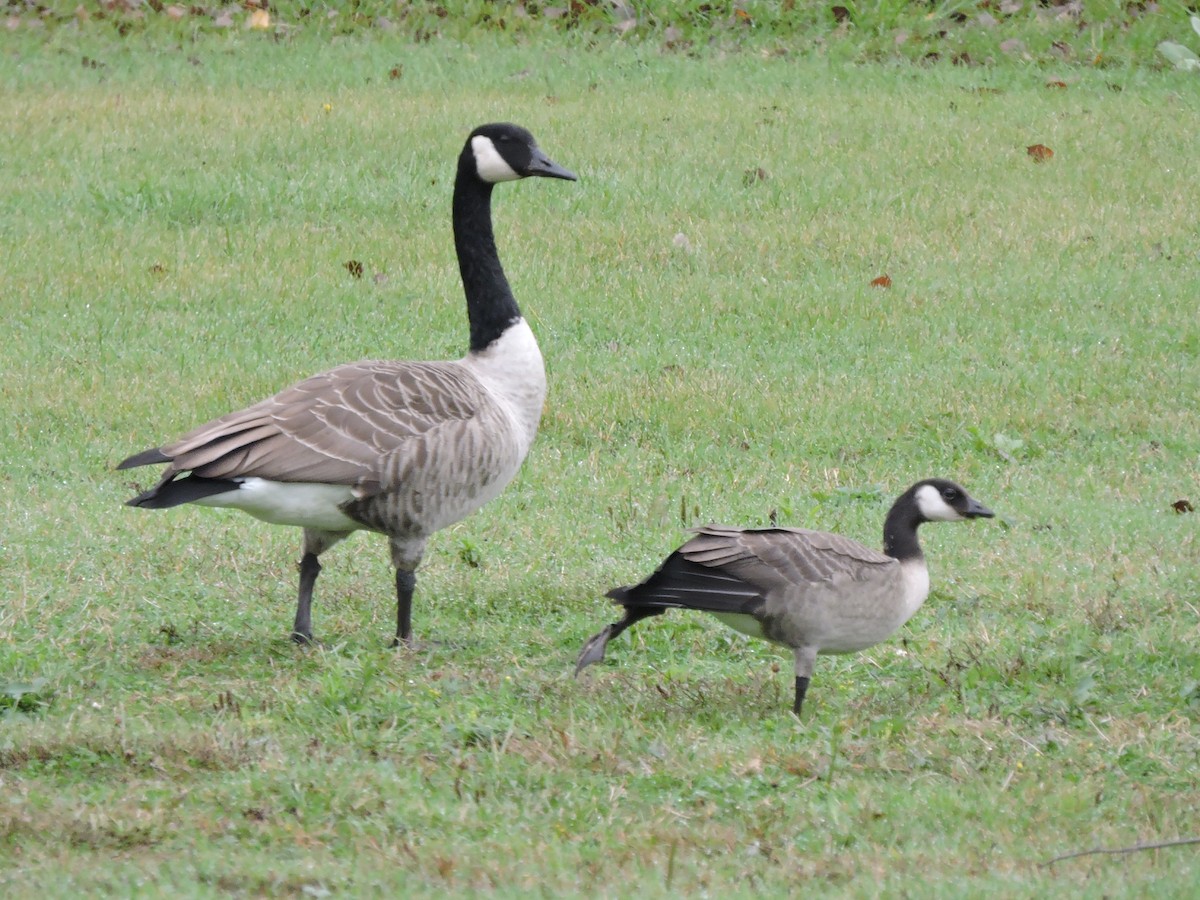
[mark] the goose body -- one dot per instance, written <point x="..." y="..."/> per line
<point x="810" y="591"/>
<point x="399" y="448"/>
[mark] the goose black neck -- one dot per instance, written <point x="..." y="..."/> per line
<point x="900" y="530"/>
<point x="491" y="307"/>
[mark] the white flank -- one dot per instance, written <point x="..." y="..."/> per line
<point x="289" y="503"/>
<point x="489" y="163"/>
<point x="744" y="623"/>
<point x="933" y="507"/>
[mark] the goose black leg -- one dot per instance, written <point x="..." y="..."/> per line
<point x="310" y="568"/>
<point x="801" y="690"/>
<point x="316" y="542"/>
<point x="406" y="582"/>
<point x="806" y="659"/>
<point x="593" y="650"/>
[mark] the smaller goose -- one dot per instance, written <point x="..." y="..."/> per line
<point x="811" y="591"/>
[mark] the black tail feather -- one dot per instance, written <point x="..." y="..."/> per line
<point x="678" y="583"/>
<point x="681" y="583"/>
<point x="166" y="494"/>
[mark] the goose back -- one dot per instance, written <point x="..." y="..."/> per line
<point x="422" y="444"/>
<point x="818" y="589"/>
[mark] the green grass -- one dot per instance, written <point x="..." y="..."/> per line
<point x="175" y="225"/>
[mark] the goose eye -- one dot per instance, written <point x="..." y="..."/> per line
<point x="950" y="494"/>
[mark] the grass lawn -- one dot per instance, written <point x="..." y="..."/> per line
<point x="176" y="215"/>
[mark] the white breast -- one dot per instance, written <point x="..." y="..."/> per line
<point x="512" y="370"/>
<point x="914" y="580"/>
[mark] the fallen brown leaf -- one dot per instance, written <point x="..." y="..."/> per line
<point x="354" y="267"/>
<point x="1039" y="152"/>
<point x="1060" y="85"/>
<point x="882" y="281"/>
<point x="1183" y="506"/>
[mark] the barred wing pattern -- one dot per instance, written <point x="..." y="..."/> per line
<point x="337" y="427"/>
<point x="774" y="559"/>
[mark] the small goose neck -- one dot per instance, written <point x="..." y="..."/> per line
<point x="491" y="307"/>
<point x="900" y="531"/>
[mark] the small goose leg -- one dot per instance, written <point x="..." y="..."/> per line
<point x="406" y="583"/>
<point x="310" y="568"/>
<point x="593" y="650"/>
<point x="801" y="690"/>
<point x="806" y="658"/>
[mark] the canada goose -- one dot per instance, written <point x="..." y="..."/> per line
<point x="400" y="448"/>
<point x="811" y="591"/>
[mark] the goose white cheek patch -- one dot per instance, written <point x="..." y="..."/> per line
<point x="489" y="163"/>
<point x="933" y="507"/>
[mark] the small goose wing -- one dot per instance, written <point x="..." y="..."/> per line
<point x="774" y="559"/>
<point x="334" y="427"/>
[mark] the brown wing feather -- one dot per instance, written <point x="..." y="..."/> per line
<point x="776" y="558"/>
<point x="333" y="427"/>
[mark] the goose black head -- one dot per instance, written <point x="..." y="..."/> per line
<point x="939" y="500"/>
<point x="502" y="151"/>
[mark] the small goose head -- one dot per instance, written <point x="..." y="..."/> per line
<point x="502" y="151"/>
<point x="939" y="500"/>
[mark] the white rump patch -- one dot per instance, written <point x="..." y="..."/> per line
<point x="303" y="504"/>
<point x="933" y="507"/>
<point x="489" y="163"/>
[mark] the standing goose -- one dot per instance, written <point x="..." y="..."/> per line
<point x="400" y="448"/>
<point x="811" y="591"/>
